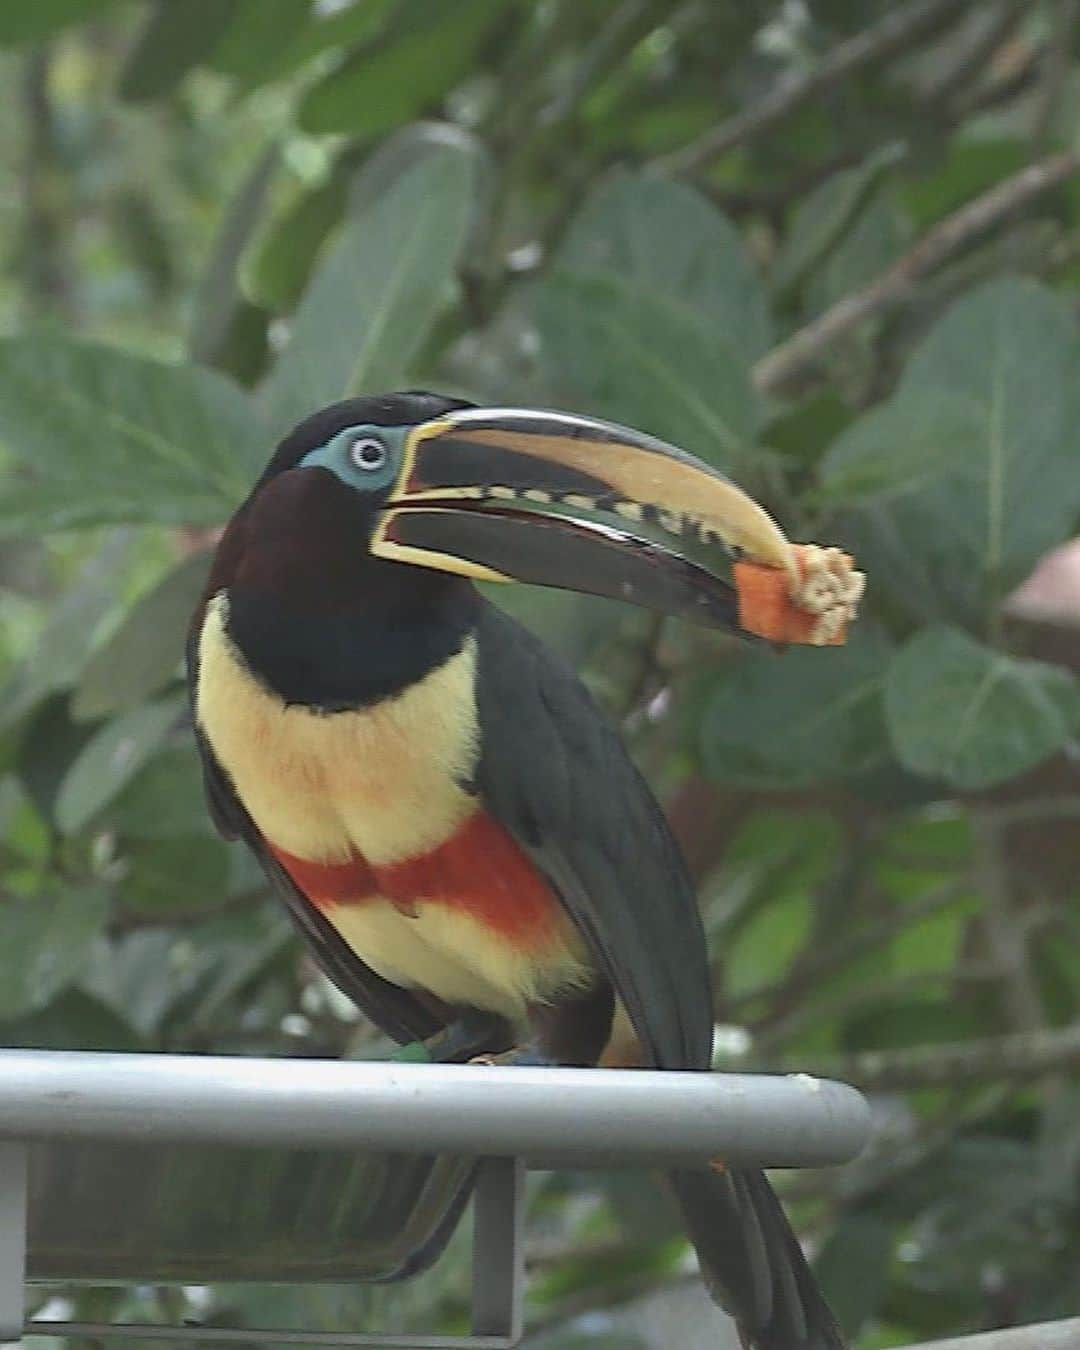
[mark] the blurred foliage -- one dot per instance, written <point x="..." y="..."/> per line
<point x="218" y="214"/>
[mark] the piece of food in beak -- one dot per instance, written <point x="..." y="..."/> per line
<point x="816" y="611"/>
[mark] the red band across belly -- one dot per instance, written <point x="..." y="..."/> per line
<point x="324" y="883"/>
<point x="480" y="870"/>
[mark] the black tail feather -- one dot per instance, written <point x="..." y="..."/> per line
<point x="752" y="1262"/>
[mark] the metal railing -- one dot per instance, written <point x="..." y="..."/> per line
<point x="508" y="1119"/>
<point x="79" y="1106"/>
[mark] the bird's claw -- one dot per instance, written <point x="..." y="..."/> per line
<point x="524" y="1056"/>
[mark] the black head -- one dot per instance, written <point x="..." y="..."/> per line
<point x="315" y="614"/>
<point x="442" y="486"/>
<point x="385" y="411"/>
<point x="386" y="507"/>
<point x="359" y="440"/>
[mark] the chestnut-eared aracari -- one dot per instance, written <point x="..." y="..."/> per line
<point x="454" y="827"/>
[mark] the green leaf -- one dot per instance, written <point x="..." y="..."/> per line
<point x="110" y="759"/>
<point x="803" y="432"/>
<point x="643" y="1208"/>
<point x="181" y="874"/>
<point x="970" y="167"/>
<point x="998" y="1216"/>
<point x="58" y="655"/>
<point x="278" y="263"/>
<point x="975" y="717"/>
<point x="164" y="799"/>
<point x="375" y="298"/>
<point x="137" y="976"/>
<point x="771" y="857"/>
<point x="73" y="1021"/>
<point x="249" y="51"/>
<point x="653" y="313"/>
<point x="804" y="716"/>
<point x="104" y="437"/>
<point x="144" y="652"/>
<point x="996" y="381"/>
<point x="853" y="1268"/>
<point x="244" y="349"/>
<point x="218" y="301"/>
<point x="906" y="445"/>
<point x="872" y="243"/>
<point x="276" y="267"/>
<point x="933" y="943"/>
<point x="20" y="23"/>
<point x="662" y="237"/>
<point x="766" y="944"/>
<point x="894" y="1023"/>
<point x="49" y="744"/>
<point x="409" y="147"/>
<point x="641" y="359"/>
<point x="820" y="220"/>
<point x="46" y="945"/>
<point x="174" y="39"/>
<point x="259" y="33"/>
<point x="1011" y="348"/>
<point x="1059" y="1141"/>
<point x="379" y="86"/>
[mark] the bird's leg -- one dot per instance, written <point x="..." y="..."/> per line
<point x="572" y="1030"/>
<point x="470" y="1034"/>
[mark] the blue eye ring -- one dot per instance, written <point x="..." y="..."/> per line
<point x="367" y="453"/>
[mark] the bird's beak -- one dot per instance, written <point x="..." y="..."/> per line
<point x="481" y="492"/>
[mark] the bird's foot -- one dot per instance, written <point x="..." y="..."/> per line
<point x="522" y="1056"/>
<point x="470" y="1035"/>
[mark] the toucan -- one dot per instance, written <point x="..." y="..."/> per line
<point x="453" y="825"/>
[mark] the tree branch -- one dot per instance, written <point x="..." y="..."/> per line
<point x="770" y="1031"/>
<point x="973" y="61"/>
<point x="1019" y="1058"/>
<point x="824" y="960"/>
<point x="1007" y="940"/>
<point x="948" y="105"/>
<point x="899" y="29"/>
<point x="48" y="285"/>
<point x="1058" y="53"/>
<point x="793" y="357"/>
<point x="1065" y="807"/>
<point x="1016" y="82"/>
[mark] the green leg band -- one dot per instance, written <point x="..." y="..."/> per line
<point x="416" y="1052"/>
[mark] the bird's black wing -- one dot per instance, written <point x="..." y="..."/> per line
<point x="397" y="1011"/>
<point x="553" y="772"/>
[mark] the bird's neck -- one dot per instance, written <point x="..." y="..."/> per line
<point x="323" y="624"/>
<point x="348" y="657"/>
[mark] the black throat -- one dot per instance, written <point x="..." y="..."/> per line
<point x="317" y="619"/>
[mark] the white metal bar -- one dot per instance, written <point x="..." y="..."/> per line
<point x="1044" y="1336"/>
<point x="149" y="1331"/>
<point x="13" y="1171"/>
<point x="499" y="1249"/>
<point x="550" y="1117"/>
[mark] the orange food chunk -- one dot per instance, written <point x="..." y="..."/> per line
<point x="818" y="614"/>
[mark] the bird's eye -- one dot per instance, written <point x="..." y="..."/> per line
<point x="367" y="453"/>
